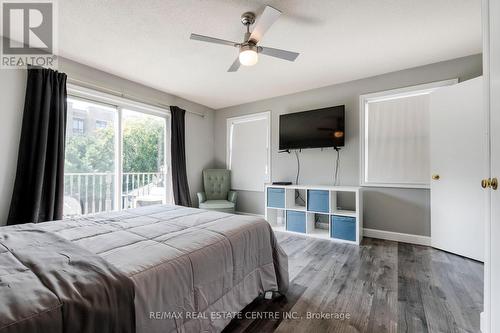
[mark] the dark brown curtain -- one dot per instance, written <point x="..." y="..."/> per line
<point x="180" y="186"/>
<point x="39" y="187"/>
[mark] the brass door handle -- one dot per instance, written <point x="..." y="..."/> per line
<point x="435" y="177"/>
<point x="490" y="182"/>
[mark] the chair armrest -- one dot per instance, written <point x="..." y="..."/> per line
<point x="202" y="197"/>
<point x="231" y="196"/>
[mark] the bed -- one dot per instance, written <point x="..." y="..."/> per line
<point x="151" y="269"/>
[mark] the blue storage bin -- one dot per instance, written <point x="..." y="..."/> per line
<point x="318" y="201"/>
<point x="343" y="227"/>
<point x="296" y="221"/>
<point x="276" y="197"/>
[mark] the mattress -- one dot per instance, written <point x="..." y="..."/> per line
<point x="192" y="269"/>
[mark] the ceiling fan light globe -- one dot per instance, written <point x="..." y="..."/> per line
<point x="248" y="57"/>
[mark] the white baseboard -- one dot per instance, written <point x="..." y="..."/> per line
<point x="398" y="237"/>
<point x="482" y="322"/>
<point x="381" y="234"/>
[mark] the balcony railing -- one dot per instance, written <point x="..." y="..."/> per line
<point x="87" y="193"/>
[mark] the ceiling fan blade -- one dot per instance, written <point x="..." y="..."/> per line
<point x="265" y="21"/>
<point x="235" y="66"/>
<point x="278" y="53"/>
<point x="213" y="40"/>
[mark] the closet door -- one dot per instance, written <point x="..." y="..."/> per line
<point x="458" y="160"/>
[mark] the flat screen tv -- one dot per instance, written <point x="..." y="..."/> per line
<point x="319" y="128"/>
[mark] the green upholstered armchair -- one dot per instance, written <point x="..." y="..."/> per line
<point x="218" y="195"/>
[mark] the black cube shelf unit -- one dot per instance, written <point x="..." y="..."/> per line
<point x="328" y="212"/>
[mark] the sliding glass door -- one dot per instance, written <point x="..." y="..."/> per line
<point x="144" y="175"/>
<point x="89" y="168"/>
<point x="115" y="158"/>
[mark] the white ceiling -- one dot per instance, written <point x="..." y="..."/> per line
<point x="339" y="40"/>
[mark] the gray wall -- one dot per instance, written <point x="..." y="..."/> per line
<point x="390" y="209"/>
<point x="399" y="210"/>
<point x="199" y="131"/>
<point x="12" y="89"/>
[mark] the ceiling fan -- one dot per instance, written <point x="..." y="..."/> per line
<point x="249" y="50"/>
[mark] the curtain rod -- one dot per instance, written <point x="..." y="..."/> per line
<point x="123" y="95"/>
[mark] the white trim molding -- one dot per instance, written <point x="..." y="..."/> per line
<point x="110" y="100"/>
<point x="380" y="234"/>
<point x="397" y="237"/>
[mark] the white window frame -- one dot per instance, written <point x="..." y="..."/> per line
<point x="230" y="122"/>
<point x="410" y="91"/>
<point x="120" y="103"/>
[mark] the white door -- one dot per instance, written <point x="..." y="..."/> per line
<point x="458" y="158"/>
<point x="490" y="322"/>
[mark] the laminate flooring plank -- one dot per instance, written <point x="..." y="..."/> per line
<point x="383" y="286"/>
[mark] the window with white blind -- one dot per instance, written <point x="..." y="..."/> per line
<point x="248" y="151"/>
<point x="395" y="136"/>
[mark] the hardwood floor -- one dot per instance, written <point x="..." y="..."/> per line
<point x="382" y="286"/>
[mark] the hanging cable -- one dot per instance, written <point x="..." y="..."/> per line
<point x="298" y="167"/>
<point x="297" y="193"/>
<point x="337" y="167"/>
